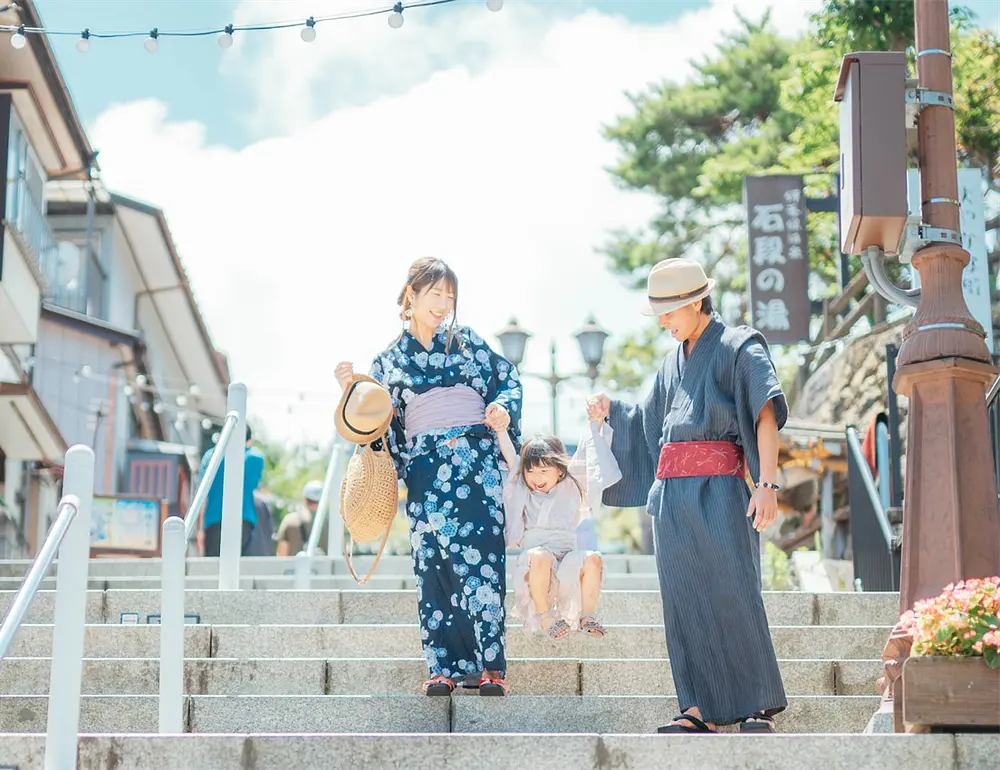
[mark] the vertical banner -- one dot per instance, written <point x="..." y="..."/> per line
<point x="778" y="257"/>
<point x="972" y="217"/>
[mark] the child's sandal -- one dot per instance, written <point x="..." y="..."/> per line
<point x="590" y="625"/>
<point x="556" y="628"/>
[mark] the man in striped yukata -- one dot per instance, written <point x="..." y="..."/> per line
<point x="713" y="414"/>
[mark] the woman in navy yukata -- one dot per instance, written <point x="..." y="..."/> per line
<point x="713" y="414"/>
<point x="451" y="393"/>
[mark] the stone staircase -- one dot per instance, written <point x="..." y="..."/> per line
<point x="331" y="678"/>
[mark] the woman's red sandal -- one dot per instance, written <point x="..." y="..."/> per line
<point x="492" y="685"/>
<point x="439" y="685"/>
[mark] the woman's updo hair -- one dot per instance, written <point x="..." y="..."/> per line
<point x="423" y="274"/>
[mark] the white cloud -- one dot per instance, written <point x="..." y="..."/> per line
<point x="297" y="245"/>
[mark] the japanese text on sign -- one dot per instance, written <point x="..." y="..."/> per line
<point x="778" y="264"/>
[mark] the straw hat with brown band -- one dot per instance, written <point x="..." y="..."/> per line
<point x="364" y="412"/>
<point x="674" y="283"/>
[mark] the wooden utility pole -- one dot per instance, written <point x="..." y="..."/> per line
<point x="952" y="519"/>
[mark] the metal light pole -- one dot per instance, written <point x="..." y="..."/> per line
<point x="591" y="339"/>
<point x="944" y="367"/>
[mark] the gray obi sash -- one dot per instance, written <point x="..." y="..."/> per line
<point x="443" y="408"/>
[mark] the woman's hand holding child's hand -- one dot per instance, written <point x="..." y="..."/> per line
<point x="497" y="418"/>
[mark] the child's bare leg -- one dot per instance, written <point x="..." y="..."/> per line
<point x="540" y="579"/>
<point x="590" y="582"/>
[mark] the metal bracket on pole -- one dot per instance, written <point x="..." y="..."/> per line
<point x="917" y="99"/>
<point x="916" y="237"/>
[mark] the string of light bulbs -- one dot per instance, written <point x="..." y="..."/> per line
<point x="223" y="35"/>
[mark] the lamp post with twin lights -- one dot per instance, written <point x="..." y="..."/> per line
<point x="591" y="339"/>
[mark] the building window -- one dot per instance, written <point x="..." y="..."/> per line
<point x="77" y="279"/>
<point x="26" y="193"/>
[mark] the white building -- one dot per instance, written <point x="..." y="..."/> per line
<point x="101" y="340"/>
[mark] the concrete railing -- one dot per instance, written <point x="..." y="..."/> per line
<point x="177" y="533"/>
<point x="70" y="537"/>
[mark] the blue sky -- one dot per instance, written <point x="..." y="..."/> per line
<point x="186" y="73"/>
<point x="299" y="181"/>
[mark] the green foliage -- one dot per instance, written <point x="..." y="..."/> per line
<point x="287" y="469"/>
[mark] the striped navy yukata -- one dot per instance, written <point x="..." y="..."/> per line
<point x="707" y="551"/>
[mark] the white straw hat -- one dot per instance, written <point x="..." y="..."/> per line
<point x="674" y="283"/>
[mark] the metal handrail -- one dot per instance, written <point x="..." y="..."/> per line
<point x="205" y="484"/>
<point x="68" y="508"/>
<point x="325" y="498"/>
<point x="854" y="446"/>
<point x="993" y="392"/>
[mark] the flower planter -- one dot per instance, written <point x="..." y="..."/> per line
<point x="950" y="692"/>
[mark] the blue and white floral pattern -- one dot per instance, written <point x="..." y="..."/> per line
<point x="454" y="499"/>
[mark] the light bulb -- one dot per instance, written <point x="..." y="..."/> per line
<point x="194" y="390"/>
<point x="140" y="380"/>
<point x="206" y="424"/>
<point x="494" y="5"/>
<point x="83" y="44"/>
<point x="225" y="39"/>
<point x="158" y="408"/>
<point x="150" y="43"/>
<point x="85" y="371"/>
<point x="182" y="401"/>
<point x="396" y="19"/>
<point x="179" y="425"/>
<point x="308" y="33"/>
<point x="18" y="40"/>
<point x="128" y="390"/>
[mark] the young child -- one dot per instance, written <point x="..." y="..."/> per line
<point x="558" y="574"/>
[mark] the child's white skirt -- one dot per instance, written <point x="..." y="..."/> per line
<point x="565" y="595"/>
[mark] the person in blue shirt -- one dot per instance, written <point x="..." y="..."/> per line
<point x="211" y="521"/>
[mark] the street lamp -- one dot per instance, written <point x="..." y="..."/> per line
<point x="591" y="339"/>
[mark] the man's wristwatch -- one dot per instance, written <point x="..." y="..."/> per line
<point x="766" y="485"/>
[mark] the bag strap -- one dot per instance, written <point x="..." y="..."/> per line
<point x="378" y="556"/>
<point x="385" y="536"/>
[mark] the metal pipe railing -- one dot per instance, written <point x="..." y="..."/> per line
<point x="175" y="536"/>
<point x="876" y="558"/>
<point x="231" y="546"/>
<point x="70" y="537"/>
<point x="329" y="499"/>
<point x="205" y="483"/>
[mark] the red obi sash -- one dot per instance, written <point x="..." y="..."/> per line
<point x="684" y="459"/>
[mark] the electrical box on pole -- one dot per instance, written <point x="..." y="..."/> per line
<point x="871" y="92"/>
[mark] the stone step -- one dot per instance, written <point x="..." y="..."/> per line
<point x="379" y="676"/>
<point x="319" y="606"/>
<point x="619" y="582"/>
<point x="510" y="752"/>
<point x="403" y="641"/>
<point x="394" y="566"/>
<point x="418" y="714"/>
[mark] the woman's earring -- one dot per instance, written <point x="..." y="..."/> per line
<point x="409" y="313"/>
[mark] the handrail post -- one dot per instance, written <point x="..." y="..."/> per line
<point x="172" y="626"/>
<point x="335" y="529"/>
<point x="230" y="547"/>
<point x="303" y="571"/>
<point x="65" y="681"/>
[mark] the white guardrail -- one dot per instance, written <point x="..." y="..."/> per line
<point x="70" y="537"/>
<point x="177" y="533"/>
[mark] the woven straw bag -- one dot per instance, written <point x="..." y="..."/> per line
<point x="369" y="496"/>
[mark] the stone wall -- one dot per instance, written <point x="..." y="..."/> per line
<point x="850" y="388"/>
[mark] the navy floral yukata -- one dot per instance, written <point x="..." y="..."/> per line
<point x="454" y="499"/>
